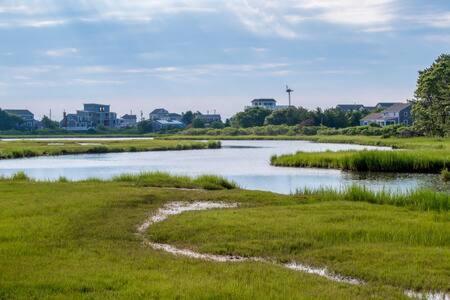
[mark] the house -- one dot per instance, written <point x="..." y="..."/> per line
<point x="384" y="105"/>
<point x="127" y="121"/>
<point x="159" y="114"/>
<point x="175" y="117"/>
<point x="350" y="107"/>
<point x="92" y="116"/>
<point x="265" y="103"/>
<point x="160" y="125"/>
<point x="27" y="117"/>
<point x="399" y="113"/>
<point x="209" y="118"/>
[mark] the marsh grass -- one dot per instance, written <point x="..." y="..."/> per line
<point x="406" y="161"/>
<point x="445" y="175"/>
<point x="162" y="179"/>
<point x="29" y="148"/>
<point x="20" y="176"/>
<point x="421" y="199"/>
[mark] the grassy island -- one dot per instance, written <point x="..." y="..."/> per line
<point x="30" y="148"/>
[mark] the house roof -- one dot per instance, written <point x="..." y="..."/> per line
<point x="159" y="111"/>
<point x="397" y="107"/>
<point x="174" y="115"/>
<point x="350" y="106"/>
<point x="169" y="122"/>
<point x="386" y="104"/>
<point x="18" y="111"/>
<point x="265" y="100"/>
<point x="129" y="117"/>
<point x="373" y="116"/>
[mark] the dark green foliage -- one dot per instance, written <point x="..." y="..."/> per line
<point x="145" y="126"/>
<point x="251" y="117"/>
<point x="8" y="122"/>
<point x="445" y="175"/>
<point x="187" y="117"/>
<point x="288" y="116"/>
<point x="217" y="125"/>
<point x="198" y="123"/>
<point x="49" y="124"/>
<point x="431" y="107"/>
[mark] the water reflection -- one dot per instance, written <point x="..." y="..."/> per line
<point x="246" y="162"/>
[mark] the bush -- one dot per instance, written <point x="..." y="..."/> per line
<point x="445" y="175"/>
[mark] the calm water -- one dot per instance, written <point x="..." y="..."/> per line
<point x="246" y="162"/>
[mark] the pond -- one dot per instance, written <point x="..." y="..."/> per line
<point x="245" y="162"/>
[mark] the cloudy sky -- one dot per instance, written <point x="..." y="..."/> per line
<point x="214" y="54"/>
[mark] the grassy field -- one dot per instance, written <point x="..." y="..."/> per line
<point x="409" y="161"/>
<point x="19" y="149"/>
<point x="77" y="240"/>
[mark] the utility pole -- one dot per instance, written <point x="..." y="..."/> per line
<point x="289" y="91"/>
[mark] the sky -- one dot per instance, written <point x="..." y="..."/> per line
<point x="206" y="55"/>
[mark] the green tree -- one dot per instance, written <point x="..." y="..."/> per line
<point x="145" y="126"/>
<point x="251" y="117"/>
<point x="217" y="125"/>
<point x="187" y="117"/>
<point x="49" y="124"/>
<point x="8" y="122"/>
<point x="288" y="116"/>
<point x="431" y="106"/>
<point x="198" y="123"/>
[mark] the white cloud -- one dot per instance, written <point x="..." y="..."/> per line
<point x="284" y="19"/>
<point x="437" y="20"/>
<point x="61" y="52"/>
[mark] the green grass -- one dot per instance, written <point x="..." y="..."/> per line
<point x="20" y="149"/>
<point x="445" y="174"/>
<point x="77" y="240"/>
<point x="395" y="142"/>
<point x="421" y="199"/>
<point x="380" y="244"/>
<point x="162" y="179"/>
<point x="412" y="161"/>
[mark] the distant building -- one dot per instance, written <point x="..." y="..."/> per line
<point x="160" y="125"/>
<point x="159" y="114"/>
<point x="208" y="118"/>
<point x="350" y="107"/>
<point x="398" y="113"/>
<point x="384" y="105"/>
<point x="92" y="116"/>
<point x="127" y="121"/>
<point x="27" y="117"/>
<point x="265" y="103"/>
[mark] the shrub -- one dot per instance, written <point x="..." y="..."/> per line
<point x="20" y="176"/>
<point x="445" y="175"/>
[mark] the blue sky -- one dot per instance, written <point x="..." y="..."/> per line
<point x="205" y="55"/>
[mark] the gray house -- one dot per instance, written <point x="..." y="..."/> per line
<point x="159" y="125"/>
<point x="27" y="117"/>
<point x="399" y="113"/>
<point x="91" y="116"/>
<point x="350" y="107"/>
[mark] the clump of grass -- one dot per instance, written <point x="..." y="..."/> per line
<point x="162" y="179"/>
<point x="20" y="176"/>
<point x="213" y="182"/>
<point x="368" y="161"/>
<point x="445" y="175"/>
<point x="422" y="199"/>
<point x="63" y="179"/>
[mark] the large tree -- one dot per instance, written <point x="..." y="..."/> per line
<point x="251" y="117"/>
<point x="431" y="106"/>
<point x="288" y="116"/>
<point x="8" y="121"/>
